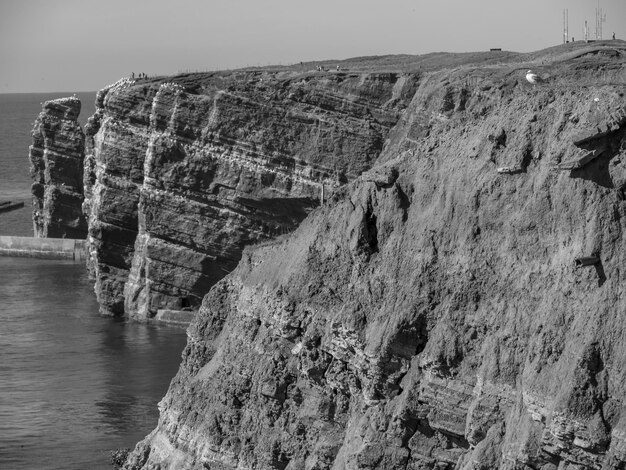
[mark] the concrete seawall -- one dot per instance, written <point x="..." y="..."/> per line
<point x="44" y="248"/>
<point x="175" y="317"/>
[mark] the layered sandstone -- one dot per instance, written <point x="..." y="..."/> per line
<point x="459" y="305"/>
<point x="182" y="173"/>
<point x="56" y="165"/>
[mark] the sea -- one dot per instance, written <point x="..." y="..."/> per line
<point x="73" y="385"/>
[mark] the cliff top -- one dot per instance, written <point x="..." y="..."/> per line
<point x="63" y="108"/>
<point x="550" y="58"/>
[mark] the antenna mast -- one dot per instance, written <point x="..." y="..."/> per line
<point x="600" y="18"/>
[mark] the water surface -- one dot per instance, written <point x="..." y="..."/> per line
<point x="73" y="385"/>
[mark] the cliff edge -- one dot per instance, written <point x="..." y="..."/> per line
<point x="458" y="305"/>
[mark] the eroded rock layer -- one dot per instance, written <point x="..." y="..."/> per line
<point x="56" y="165"/>
<point x="459" y="305"/>
<point x="182" y="174"/>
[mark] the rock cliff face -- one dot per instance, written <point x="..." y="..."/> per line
<point x="182" y="174"/>
<point x="56" y="165"/>
<point x="459" y="305"/>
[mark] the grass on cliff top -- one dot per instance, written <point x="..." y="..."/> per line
<point x="405" y="63"/>
<point x="443" y="60"/>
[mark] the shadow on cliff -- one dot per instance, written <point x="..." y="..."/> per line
<point x="600" y="272"/>
<point x="597" y="171"/>
<point x="285" y="212"/>
<point x="606" y="170"/>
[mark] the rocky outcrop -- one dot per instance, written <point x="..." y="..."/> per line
<point x="182" y="173"/>
<point x="431" y="314"/>
<point x="56" y="165"/>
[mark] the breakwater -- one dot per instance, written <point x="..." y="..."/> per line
<point x="43" y="248"/>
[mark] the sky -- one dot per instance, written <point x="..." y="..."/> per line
<point x="83" y="45"/>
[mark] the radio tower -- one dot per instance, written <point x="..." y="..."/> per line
<point x="565" y="26"/>
<point x="600" y="18"/>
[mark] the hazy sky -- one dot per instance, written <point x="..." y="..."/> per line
<point x="82" y="45"/>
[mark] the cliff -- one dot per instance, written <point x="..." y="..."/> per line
<point x="182" y="173"/>
<point x="458" y="305"/>
<point x="56" y="165"/>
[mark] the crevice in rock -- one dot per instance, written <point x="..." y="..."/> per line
<point x="527" y="156"/>
<point x="372" y="230"/>
<point x="405" y="202"/>
<point x="499" y="140"/>
<point x="411" y="338"/>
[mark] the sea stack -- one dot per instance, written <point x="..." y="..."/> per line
<point x="56" y="165"/>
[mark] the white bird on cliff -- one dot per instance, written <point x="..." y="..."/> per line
<point x="533" y="78"/>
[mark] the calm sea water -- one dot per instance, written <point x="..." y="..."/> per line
<point x="73" y="385"/>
